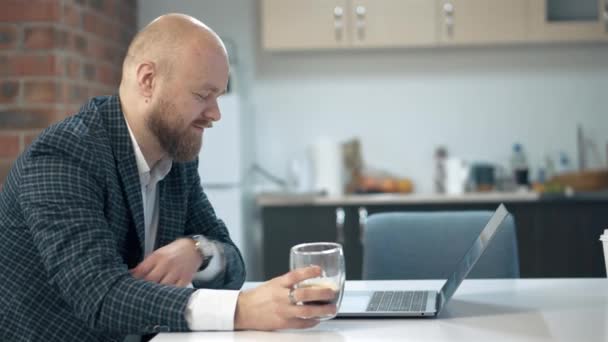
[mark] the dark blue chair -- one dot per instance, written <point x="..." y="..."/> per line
<point x="428" y="245"/>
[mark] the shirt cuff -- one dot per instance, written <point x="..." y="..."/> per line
<point x="211" y="309"/>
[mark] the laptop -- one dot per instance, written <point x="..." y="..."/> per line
<point x="421" y="303"/>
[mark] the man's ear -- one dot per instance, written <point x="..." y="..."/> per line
<point x="146" y="78"/>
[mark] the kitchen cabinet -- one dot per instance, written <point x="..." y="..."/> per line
<point x="384" y="23"/>
<point x="289" y="226"/>
<point x="568" y="20"/>
<point x="556" y="238"/>
<point x="482" y="21"/>
<point x="334" y="24"/>
<point x="310" y="24"/>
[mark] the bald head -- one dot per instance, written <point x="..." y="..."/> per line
<point x="167" y="40"/>
<point x="175" y="69"/>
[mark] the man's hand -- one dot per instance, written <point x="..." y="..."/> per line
<point x="174" y="264"/>
<point x="268" y="307"/>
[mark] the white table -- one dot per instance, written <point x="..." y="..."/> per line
<point x="481" y="310"/>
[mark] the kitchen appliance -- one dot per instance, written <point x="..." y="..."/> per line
<point x="483" y="177"/>
<point x="457" y="173"/>
<point x="328" y="166"/>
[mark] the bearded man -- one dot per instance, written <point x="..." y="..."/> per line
<point x="106" y="231"/>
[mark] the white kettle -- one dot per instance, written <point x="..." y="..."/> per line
<point x="457" y="173"/>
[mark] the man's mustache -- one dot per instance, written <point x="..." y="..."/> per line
<point x="204" y="124"/>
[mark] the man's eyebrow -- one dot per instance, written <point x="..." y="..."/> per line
<point x="207" y="86"/>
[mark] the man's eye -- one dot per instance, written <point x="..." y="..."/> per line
<point x="201" y="96"/>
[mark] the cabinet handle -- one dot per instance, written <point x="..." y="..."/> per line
<point x="338" y="22"/>
<point x="360" y="12"/>
<point x="340" y="218"/>
<point x="448" y="11"/>
<point x="362" y="222"/>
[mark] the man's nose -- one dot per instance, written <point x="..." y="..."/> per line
<point x="213" y="113"/>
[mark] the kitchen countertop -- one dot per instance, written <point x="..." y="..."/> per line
<point x="315" y="199"/>
<point x="294" y="199"/>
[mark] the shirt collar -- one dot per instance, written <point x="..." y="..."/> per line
<point x="147" y="176"/>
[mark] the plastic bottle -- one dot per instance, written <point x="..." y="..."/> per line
<point x="519" y="164"/>
<point x="564" y="163"/>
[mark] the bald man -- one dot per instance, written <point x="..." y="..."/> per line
<point x="105" y="229"/>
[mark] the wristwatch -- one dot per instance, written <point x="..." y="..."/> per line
<point x="205" y="248"/>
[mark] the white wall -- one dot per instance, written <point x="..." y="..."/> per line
<point x="476" y="101"/>
<point x="403" y="103"/>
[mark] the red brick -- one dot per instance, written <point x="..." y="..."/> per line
<point x="40" y="92"/>
<point x="72" y="68"/>
<point x="72" y="16"/>
<point x="98" y="25"/>
<point x="127" y="14"/>
<point x="96" y="4"/>
<point x="110" y="7"/>
<point x="107" y="75"/>
<point x="79" y="43"/>
<point x="113" y="55"/>
<point x="30" y="10"/>
<point x="9" y="91"/>
<point x="39" y="37"/>
<point x="28" y="65"/>
<point x="89" y="71"/>
<point x="73" y="109"/>
<point x="115" y="33"/>
<point x="74" y="94"/>
<point x="61" y="39"/>
<point x="94" y="91"/>
<point x="9" y="145"/>
<point x="89" y="22"/>
<point x="29" y="137"/>
<point x="126" y="35"/>
<point x="28" y="118"/>
<point x="8" y="36"/>
<point x="96" y="50"/>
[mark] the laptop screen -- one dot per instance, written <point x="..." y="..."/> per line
<point x="472" y="255"/>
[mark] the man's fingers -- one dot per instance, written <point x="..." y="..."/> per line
<point x="309" y="311"/>
<point x="300" y="323"/>
<point x="183" y="283"/>
<point x="170" y="279"/>
<point x="290" y="279"/>
<point x="156" y="274"/>
<point x="314" y="294"/>
<point x="144" y="267"/>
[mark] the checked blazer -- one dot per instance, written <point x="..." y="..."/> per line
<point x="71" y="226"/>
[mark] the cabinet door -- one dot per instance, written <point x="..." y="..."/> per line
<point x="385" y="23"/>
<point x="298" y="24"/>
<point x="284" y="227"/>
<point x="562" y="20"/>
<point x="482" y="21"/>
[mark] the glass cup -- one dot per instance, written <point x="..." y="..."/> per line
<point x="330" y="258"/>
<point x="604" y="239"/>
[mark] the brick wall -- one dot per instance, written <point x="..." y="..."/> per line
<point x="54" y="54"/>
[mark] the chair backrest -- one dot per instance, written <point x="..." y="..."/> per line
<point x="428" y="245"/>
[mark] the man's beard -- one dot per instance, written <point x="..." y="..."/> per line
<point x="181" y="143"/>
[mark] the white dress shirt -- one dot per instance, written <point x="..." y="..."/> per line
<point x="206" y="309"/>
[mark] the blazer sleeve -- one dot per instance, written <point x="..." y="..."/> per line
<point x="201" y="219"/>
<point x="62" y="201"/>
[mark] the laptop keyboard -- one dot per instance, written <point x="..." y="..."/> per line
<point x="411" y="301"/>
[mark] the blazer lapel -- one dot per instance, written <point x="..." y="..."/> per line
<point x="131" y="184"/>
<point x="172" y="209"/>
<point x="126" y="164"/>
